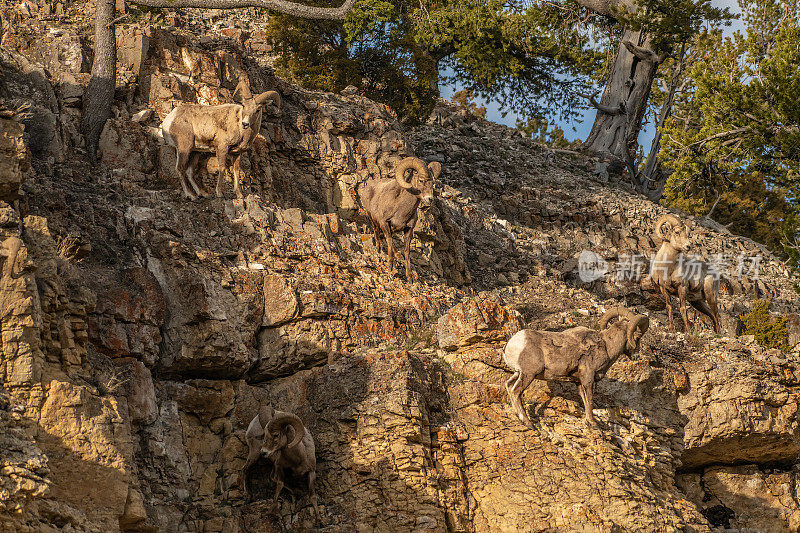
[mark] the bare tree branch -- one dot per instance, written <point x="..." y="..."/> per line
<point x="608" y="110"/>
<point x="278" y="6"/>
<point x="117" y="20"/>
<point x="645" y="54"/>
<point x="708" y="215"/>
<point x="607" y="8"/>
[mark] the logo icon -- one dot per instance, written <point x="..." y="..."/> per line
<point x="591" y="266"/>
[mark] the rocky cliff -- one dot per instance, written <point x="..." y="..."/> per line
<point x="141" y="331"/>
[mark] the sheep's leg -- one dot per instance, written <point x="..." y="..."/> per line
<point x="252" y="457"/>
<point x="704" y="308"/>
<point x="516" y="402"/>
<point x="236" y="171"/>
<point x="668" y="301"/>
<point x="407" y="250"/>
<point x="278" y="489"/>
<point x="515" y="391"/>
<point x="312" y="494"/>
<point x="376" y="233"/>
<point x="182" y="153"/>
<point x="585" y="389"/>
<point x="278" y="479"/>
<point x="387" y="232"/>
<point x="710" y="293"/>
<point x="682" y="303"/>
<point x="191" y="171"/>
<point x="222" y="162"/>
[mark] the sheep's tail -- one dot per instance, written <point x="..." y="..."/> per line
<point x="157" y="132"/>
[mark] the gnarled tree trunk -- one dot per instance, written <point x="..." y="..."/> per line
<point x="99" y="94"/>
<point x="624" y="101"/>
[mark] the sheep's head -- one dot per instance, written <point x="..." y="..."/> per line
<point x="422" y="178"/>
<point x="277" y="433"/>
<point x="671" y="229"/>
<point x="251" y="105"/>
<point x="633" y="326"/>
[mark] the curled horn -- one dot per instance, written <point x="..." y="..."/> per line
<point x="672" y="220"/>
<point x="292" y="420"/>
<point x="407" y="163"/>
<point x="243" y="88"/>
<point x="611" y="314"/>
<point x="262" y="98"/>
<point x="637" y="321"/>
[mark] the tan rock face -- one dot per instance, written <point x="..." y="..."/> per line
<point x="90" y="450"/>
<point x="13" y="158"/>
<point x="741" y="406"/>
<point x="280" y="301"/>
<point x="23" y="475"/>
<point x="746" y="497"/>
<point x="477" y="321"/>
<point x="134" y="367"/>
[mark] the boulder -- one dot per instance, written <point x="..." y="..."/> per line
<point x="479" y="320"/>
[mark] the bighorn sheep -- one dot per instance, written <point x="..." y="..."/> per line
<point x="287" y="443"/>
<point x="577" y="354"/>
<point x="227" y="129"/>
<point x="691" y="281"/>
<point x="391" y="204"/>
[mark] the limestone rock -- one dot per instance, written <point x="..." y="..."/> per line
<point x="280" y="301"/>
<point x="741" y="409"/>
<point x="473" y="321"/>
<point x="13" y="159"/>
<point x="134" y="367"/>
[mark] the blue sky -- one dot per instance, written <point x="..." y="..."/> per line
<point x="579" y="128"/>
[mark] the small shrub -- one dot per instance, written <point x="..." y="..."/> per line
<point x="769" y="331"/>
<point x="113" y="383"/>
<point x="67" y="247"/>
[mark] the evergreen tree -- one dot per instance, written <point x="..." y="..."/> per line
<point x="734" y="137"/>
<point x="536" y="57"/>
<point x="397" y="52"/>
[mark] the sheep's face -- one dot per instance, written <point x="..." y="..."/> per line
<point x="630" y="348"/>
<point x="249" y="110"/>
<point x="679" y="238"/>
<point x="425" y="182"/>
<point x="274" y="442"/>
<point x="424" y="185"/>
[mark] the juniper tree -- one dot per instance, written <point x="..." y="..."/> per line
<point x="734" y="136"/>
<point x="621" y="43"/>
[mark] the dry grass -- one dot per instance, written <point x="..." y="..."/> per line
<point x="67" y="247"/>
